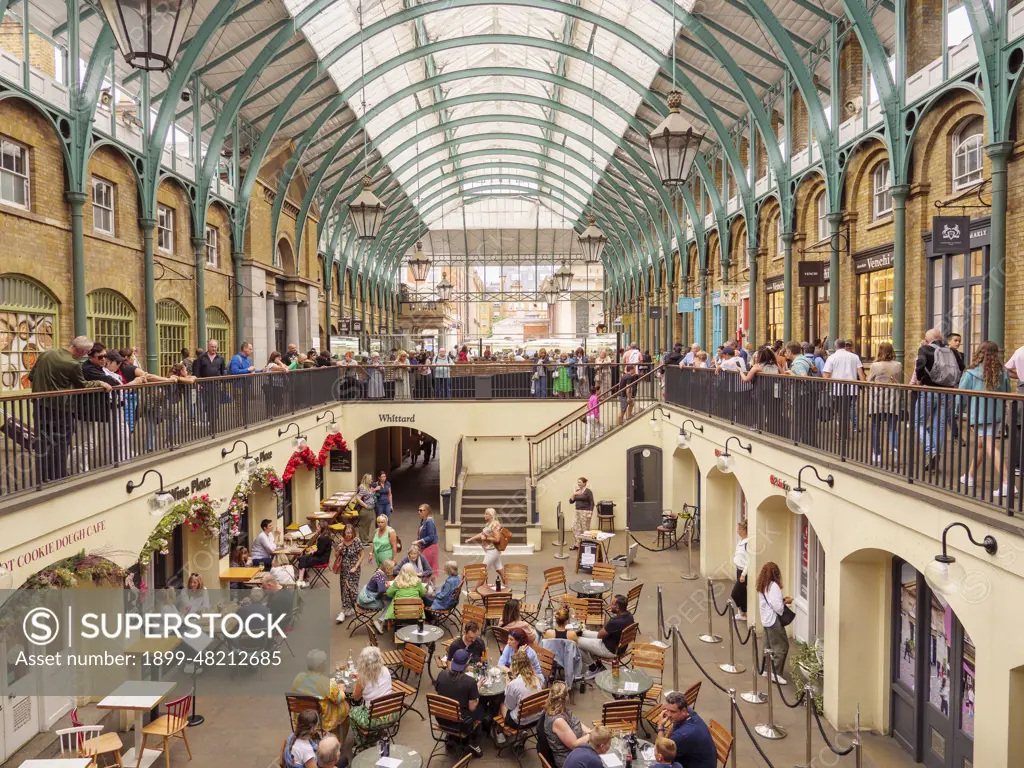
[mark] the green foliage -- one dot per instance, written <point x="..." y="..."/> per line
<point x="199" y="511"/>
<point x="808" y="661"/>
<point x="71" y="571"/>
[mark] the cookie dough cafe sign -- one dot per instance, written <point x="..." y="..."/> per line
<point x="46" y="550"/>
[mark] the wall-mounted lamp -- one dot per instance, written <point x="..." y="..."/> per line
<point x="161" y="500"/>
<point x="799" y="499"/>
<point x="300" y="439"/>
<point x="683" y="439"/>
<point x="332" y="428"/>
<point x="245" y="465"/>
<point x="725" y="459"/>
<point x="6" y="577"/>
<point x="654" y="423"/>
<point x="944" y="573"/>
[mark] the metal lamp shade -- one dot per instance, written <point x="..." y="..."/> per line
<point x="563" y="278"/>
<point x="367" y="212"/>
<point x="550" y="292"/>
<point x="592" y="242"/>
<point x="674" y="144"/>
<point x="444" y="288"/>
<point x="419" y="264"/>
<point x="148" y="32"/>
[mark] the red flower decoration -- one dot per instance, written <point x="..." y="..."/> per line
<point x="303" y="456"/>
<point x="333" y="442"/>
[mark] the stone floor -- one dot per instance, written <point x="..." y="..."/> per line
<point x="248" y="733"/>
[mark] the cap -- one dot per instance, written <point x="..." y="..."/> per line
<point x="459" y="660"/>
<point x="114" y="355"/>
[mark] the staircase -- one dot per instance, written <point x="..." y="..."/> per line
<point x="505" y="493"/>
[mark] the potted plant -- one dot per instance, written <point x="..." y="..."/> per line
<point x="808" y="666"/>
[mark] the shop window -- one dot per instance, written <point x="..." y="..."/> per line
<point x="165" y="228"/>
<point x="956" y="293"/>
<point x="212" y="251"/>
<point x="968" y="153"/>
<point x="780" y="246"/>
<point x="776" y="301"/>
<point x="874" y="311"/>
<point x="14" y="176"/>
<point x="102" y="206"/>
<point x="218" y="328"/>
<point x="822" y="217"/>
<point x="111" y="319"/>
<point x="171" y="331"/>
<point x="28" y="323"/>
<point x="882" y="185"/>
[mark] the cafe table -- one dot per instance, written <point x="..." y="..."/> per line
<point x="590" y="587"/>
<point x="488" y="590"/>
<point x="288" y="554"/>
<point x="58" y="762"/>
<point x="628" y="684"/>
<point x="428" y="636"/>
<point x="403" y="757"/>
<point x="644" y="752"/>
<point x="138" y="696"/>
<point x="239" y="574"/>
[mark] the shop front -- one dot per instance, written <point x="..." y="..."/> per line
<point x="809" y="577"/>
<point x="813" y="277"/>
<point x="873" y="276"/>
<point x="775" y="300"/>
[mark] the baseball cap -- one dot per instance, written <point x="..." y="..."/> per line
<point x="114" y="355"/>
<point x="459" y="660"/>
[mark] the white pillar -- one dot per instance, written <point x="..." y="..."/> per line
<point x="291" y="324"/>
<point x="269" y="339"/>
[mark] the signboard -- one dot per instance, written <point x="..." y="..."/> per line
<point x="951" y="234"/>
<point x="686" y="305"/>
<point x="654" y="313"/>
<point x="344" y="327"/>
<point x="627" y="319"/>
<point x="225" y="534"/>
<point x="341" y="461"/>
<point x="730" y="296"/>
<point x="357" y="326"/>
<point x="812" y="273"/>
<point x="775" y="284"/>
<point x="872" y="263"/>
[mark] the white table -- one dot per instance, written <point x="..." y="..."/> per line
<point x="138" y="696"/>
<point x="59" y="762"/>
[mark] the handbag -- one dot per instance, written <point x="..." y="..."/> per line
<point x="787" y="616"/>
<point x="398" y="543"/>
<point x="504" y="537"/>
<point x="336" y="563"/>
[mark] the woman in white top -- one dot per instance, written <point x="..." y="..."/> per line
<point x="194" y="598"/>
<point x="773" y="604"/>
<point x="263" y="548"/>
<point x="373" y="680"/>
<point x="740" y="560"/>
<point x="302" y="749"/>
<point x="523" y="681"/>
<point x="488" y="538"/>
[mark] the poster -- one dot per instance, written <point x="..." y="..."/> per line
<point x="341" y="461"/>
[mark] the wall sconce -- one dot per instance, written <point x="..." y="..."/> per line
<point x="245" y="465"/>
<point x="798" y="499"/>
<point x="944" y="573"/>
<point x="332" y="428"/>
<point x="683" y="439"/>
<point x="6" y="578"/>
<point x="726" y="462"/>
<point x="300" y="439"/>
<point x="161" y="500"/>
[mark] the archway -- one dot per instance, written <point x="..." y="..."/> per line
<point x="285" y="257"/>
<point x="723" y="508"/>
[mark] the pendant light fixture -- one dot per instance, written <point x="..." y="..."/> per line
<point x="674" y="144"/>
<point x="148" y="33"/>
<point x="592" y="240"/>
<point x="563" y="278"/>
<point x="367" y="211"/>
<point x="444" y="288"/>
<point x="419" y="264"/>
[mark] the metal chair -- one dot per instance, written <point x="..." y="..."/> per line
<point x="516" y="738"/>
<point x="172" y="725"/>
<point x="298" y="703"/>
<point x="362" y="617"/>
<point x="620" y="715"/>
<point x="318" y="575"/>
<point x="723" y="741"/>
<point x="414" y="660"/>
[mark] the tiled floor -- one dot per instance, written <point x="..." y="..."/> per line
<point x="248" y="733"/>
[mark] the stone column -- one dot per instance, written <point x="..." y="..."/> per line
<point x="752" y="299"/>
<point x="291" y="323"/>
<point x="199" y="244"/>
<point x="834" y="219"/>
<point x="787" y="283"/>
<point x="269" y="339"/>
<point x="900" y="192"/>
<point x="149" y="280"/>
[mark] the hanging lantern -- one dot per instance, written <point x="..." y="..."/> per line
<point x="592" y="241"/>
<point x="550" y="291"/>
<point x="444" y="288"/>
<point x="148" y="32"/>
<point x="367" y="212"/>
<point x="419" y="264"/>
<point x="674" y="144"/>
<point x="563" y="278"/>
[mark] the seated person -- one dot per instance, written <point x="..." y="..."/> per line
<point x="264" y="545"/>
<point x="278" y="600"/>
<point x="694" y="746"/>
<point x="455" y="684"/>
<point x="419" y="562"/>
<point x="445" y="598"/>
<point x="563" y="731"/>
<point x="406" y="584"/>
<point x="373" y="595"/>
<point x="315" y="682"/>
<point x="470" y="641"/>
<point x="511" y="618"/>
<point x="589" y="755"/>
<point x="328" y="754"/>
<point x="240" y="557"/>
<point x="300" y="748"/>
<point x="603" y="643"/>
<point x="517" y="640"/>
<point x="523" y="681"/>
<point x="665" y="753"/>
<point x="320" y="556"/>
<point x="373" y="680"/>
<point x="194" y="598"/>
<point x="560" y="631"/>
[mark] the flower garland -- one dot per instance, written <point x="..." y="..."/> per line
<point x="200" y="512"/>
<point x="305" y="456"/>
<point x="332" y="442"/>
<point x="74" y="570"/>
<point x="239" y="503"/>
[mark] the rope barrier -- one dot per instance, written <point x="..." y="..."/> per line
<point x="649" y="549"/>
<point x="753" y="738"/>
<point x="821" y="729"/>
<point x="711" y="592"/>
<point x="703" y="671"/>
<point x="773" y="678"/>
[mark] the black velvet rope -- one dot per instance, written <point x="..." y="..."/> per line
<point x="753" y="738"/>
<point x="821" y="728"/>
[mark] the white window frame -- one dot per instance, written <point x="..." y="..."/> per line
<point x="881" y="182"/>
<point x="964" y="145"/>
<point x="24" y="177"/>
<point x="780" y="246"/>
<point x="165" y="228"/>
<point x="822" y="218"/>
<point x="212" y="249"/>
<point x="101" y="188"/>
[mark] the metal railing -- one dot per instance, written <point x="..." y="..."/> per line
<point x="48" y="438"/>
<point x="964" y="442"/>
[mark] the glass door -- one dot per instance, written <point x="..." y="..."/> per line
<point x="643" y="506"/>
<point x="956" y="296"/>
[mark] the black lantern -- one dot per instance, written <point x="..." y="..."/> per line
<point x="563" y="278"/>
<point x="674" y="144"/>
<point x="592" y="241"/>
<point x="444" y="288"/>
<point x="419" y="264"/>
<point x="367" y="212"/>
<point x="148" y="32"/>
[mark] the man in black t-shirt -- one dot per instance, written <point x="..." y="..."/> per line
<point x="603" y="644"/>
<point x="470" y="641"/>
<point x="455" y="684"/>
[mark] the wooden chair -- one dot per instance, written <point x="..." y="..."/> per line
<point x="473" y="575"/>
<point x="723" y="741"/>
<point x="494" y="608"/>
<point x="691" y="694"/>
<point x="445" y="718"/>
<point x="620" y="715"/>
<point x="392" y="659"/>
<point x="384" y="718"/>
<point x="299" y="703"/>
<point x="89" y="741"/>
<point x="407" y="610"/>
<point x="517" y="577"/>
<point x="446" y="619"/>
<point x="653" y="716"/>
<point x="555" y="587"/>
<point x="516" y="738"/>
<point x="469" y="613"/>
<point x="500" y="638"/>
<point x="595" y="611"/>
<point x="546" y="659"/>
<point x="604" y="572"/>
<point x="172" y="725"/>
<point x="633" y="598"/>
<point x="578" y="607"/>
<point x="414" y="661"/>
<point x="105" y="744"/>
<point x="653" y="664"/>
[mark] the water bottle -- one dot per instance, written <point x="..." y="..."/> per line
<point x="631" y="741"/>
<point x="385" y="747"/>
<point x="549" y="614"/>
<point x="351" y="665"/>
<point x="629" y="760"/>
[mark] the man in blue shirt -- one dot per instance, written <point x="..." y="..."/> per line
<point x="688" y="357"/>
<point x="589" y="755"/>
<point x="694" y="746"/>
<point x="240" y="362"/>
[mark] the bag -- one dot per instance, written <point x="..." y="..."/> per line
<point x="398" y="543"/>
<point x="336" y="563"/>
<point x="787" y="616"/>
<point x="945" y="371"/>
<point x="504" y="537"/>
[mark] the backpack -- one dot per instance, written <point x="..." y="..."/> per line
<point x="504" y="537"/>
<point x="945" y="371"/>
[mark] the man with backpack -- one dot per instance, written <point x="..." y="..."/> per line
<point x="937" y="366"/>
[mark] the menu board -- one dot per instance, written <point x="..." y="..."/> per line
<point x="225" y="534"/>
<point x="341" y="461"/>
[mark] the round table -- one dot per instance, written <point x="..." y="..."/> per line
<point x="410" y="633"/>
<point x="590" y="587"/>
<point x="368" y="757"/>
<point x="491" y="686"/>
<point x="616" y="686"/>
<point x="618" y="747"/>
<point x="344" y="680"/>
<point x="542" y="626"/>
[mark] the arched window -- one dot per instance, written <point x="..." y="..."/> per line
<point x="218" y="328"/>
<point x="822" y="218"/>
<point x="111" y="319"/>
<point x="968" y="154"/>
<point x="284" y="257"/>
<point x="28" y="326"/>
<point x="882" y="186"/>
<point x="171" y="332"/>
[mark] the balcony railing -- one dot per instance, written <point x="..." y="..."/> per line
<point x="964" y="442"/>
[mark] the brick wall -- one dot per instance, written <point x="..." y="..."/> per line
<point x="851" y="76"/>
<point x="799" y="133"/>
<point x="40" y="52"/>
<point x="924" y="33"/>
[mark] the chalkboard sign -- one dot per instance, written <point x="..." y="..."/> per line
<point x="341" y="461"/>
<point x="225" y="534"/>
<point x="590" y="552"/>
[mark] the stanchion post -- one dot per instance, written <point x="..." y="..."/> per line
<point x="561" y="535"/>
<point x="808" y="725"/>
<point x="628" y="576"/>
<point x="770" y="730"/>
<point x="675" y="658"/>
<point x="754" y="696"/>
<point x="732" y="726"/>
<point x="689" y="575"/>
<point x="710" y="636"/>
<point x="858" y="757"/>
<point x="731" y="667"/>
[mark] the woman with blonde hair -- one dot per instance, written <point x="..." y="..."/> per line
<point x="603" y="376"/>
<point x="985" y="416"/>
<point x="194" y="598"/>
<point x="406" y="584"/>
<point x="402" y="388"/>
<point x="489" y="538"/>
<point x="385" y="540"/>
<point x="522" y="682"/>
<point x="373" y="680"/>
<point x="365" y="503"/>
<point x="562" y="729"/>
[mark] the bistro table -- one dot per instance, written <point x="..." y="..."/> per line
<point x="59" y="762"/>
<point x="630" y="683"/>
<point x="239" y="574"/>
<point x="137" y="696"/>
<point x="491" y="687"/>
<point x="370" y="758"/>
<point x="618" y="747"/>
<point x="488" y="590"/>
<point x="429" y="635"/>
<point x="590" y="587"/>
<point x="543" y="626"/>
<point x="288" y="554"/>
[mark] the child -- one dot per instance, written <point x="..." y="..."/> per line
<point x="594" y="414"/>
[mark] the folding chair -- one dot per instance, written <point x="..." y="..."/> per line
<point x="653" y="664"/>
<point x="494" y="608"/>
<point x="516" y="738"/>
<point x="620" y="715"/>
<point x="299" y="703"/>
<point x="445" y="717"/>
<point x="318" y="575"/>
<point x="554" y="585"/>
<point x="469" y="613"/>
<point x="500" y="638"/>
<point x="633" y="599"/>
<point x="546" y="659"/>
<point x="362" y="617"/>
<point x="723" y="741"/>
<point x="517" y="578"/>
<point x="653" y="716"/>
<point x="447" y="618"/>
<point x="172" y="725"/>
<point x="595" y="611"/>
<point x="392" y="659"/>
<point x="407" y="609"/>
<point x="414" y="660"/>
<point x="605" y="572"/>
<point x="89" y="741"/>
<point x="384" y="718"/>
<point x="473" y="575"/>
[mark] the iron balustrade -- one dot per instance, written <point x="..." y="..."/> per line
<point x="965" y="442"/>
